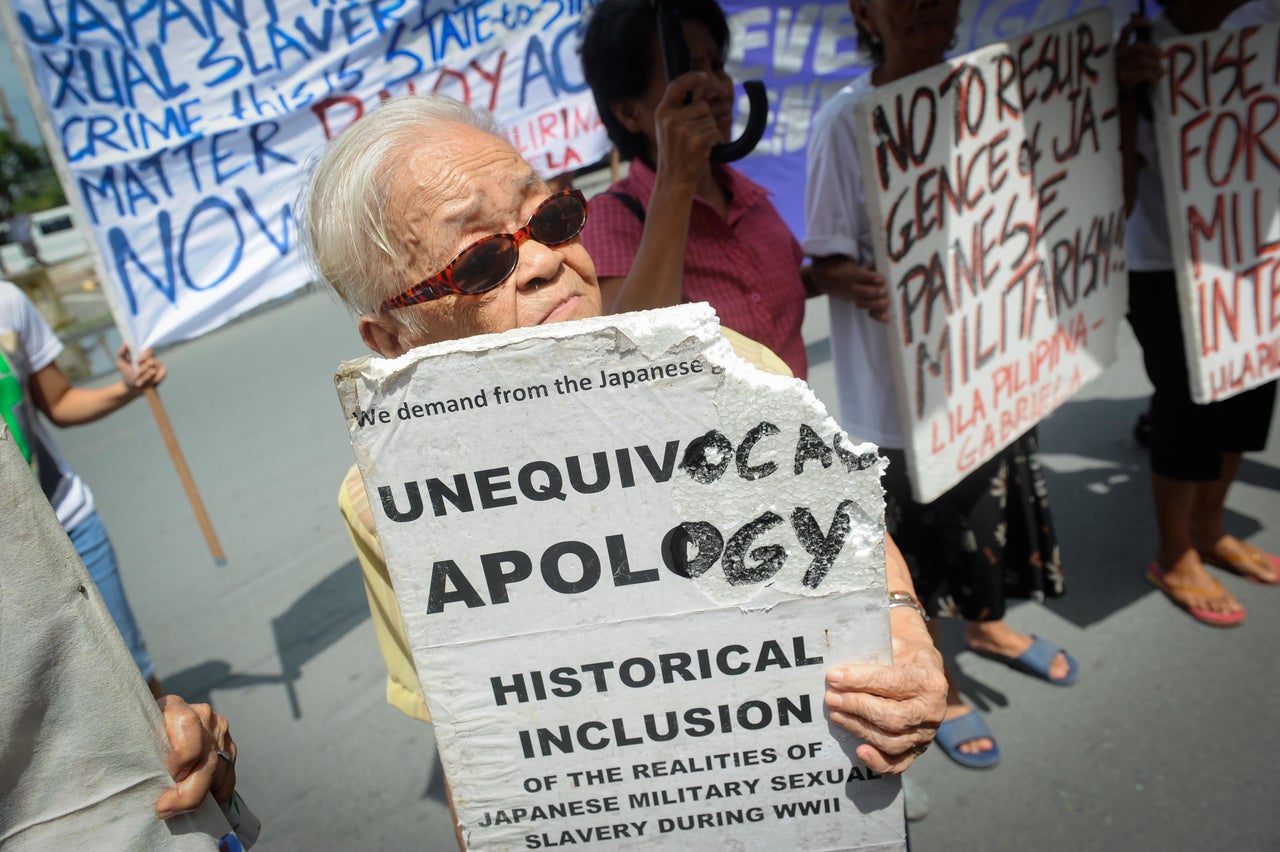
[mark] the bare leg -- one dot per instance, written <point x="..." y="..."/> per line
<point x="1175" y="503"/>
<point x="1213" y="542"/>
<point x="957" y="708"/>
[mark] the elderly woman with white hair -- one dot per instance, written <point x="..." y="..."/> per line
<point x="431" y="227"/>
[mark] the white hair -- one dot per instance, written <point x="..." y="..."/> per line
<point x="345" y="234"/>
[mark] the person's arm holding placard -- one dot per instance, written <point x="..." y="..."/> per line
<point x="682" y="226"/>
<point x="842" y="277"/>
<point x="896" y="708"/>
<point x="1138" y="66"/>
<point x="66" y="405"/>
<point x="684" y="134"/>
<point x="202" y="761"/>
<point x="841" y="267"/>
<point x="197" y="738"/>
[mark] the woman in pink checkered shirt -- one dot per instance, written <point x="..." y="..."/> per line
<point x="679" y="228"/>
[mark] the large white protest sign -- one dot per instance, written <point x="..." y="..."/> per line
<point x="1218" y="133"/>
<point x="185" y="125"/>
<point x="625" y="559"/>
<point x="995" y="191"/>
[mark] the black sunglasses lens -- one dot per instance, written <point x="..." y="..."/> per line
<point x="485" y="265"/>
<point x="558" y="220"/>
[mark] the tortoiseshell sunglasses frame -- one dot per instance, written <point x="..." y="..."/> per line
<point x="442" y="284"/>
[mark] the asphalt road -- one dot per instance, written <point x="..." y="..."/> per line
<point x="1168" y="741"/>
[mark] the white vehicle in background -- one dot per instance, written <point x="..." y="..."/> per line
<point x="56" y="239"/>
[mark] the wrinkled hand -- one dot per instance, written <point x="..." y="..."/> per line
<point x="196" y="735"/>
<point x="146" y="372"/>
<point x="686" y="132"/>
<point x="845" y="278"/>
<point x="897" y="708"/>
<point x="1137" y="62"/>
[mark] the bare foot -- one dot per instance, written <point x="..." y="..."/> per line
<point x="955" y="711"/>
<point x="1238" y="557"/>
<point x="1191" y="586"/>
<point x="997" y="637"/>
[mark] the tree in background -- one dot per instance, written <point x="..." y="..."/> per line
<point x="27" y="180"/>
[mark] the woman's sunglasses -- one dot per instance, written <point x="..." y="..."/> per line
<point x="486" y="263"/>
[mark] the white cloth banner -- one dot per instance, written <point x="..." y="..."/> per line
<point x="625" y="559"/>
<point x="1218" y="134"/>
<point x="995" y="188"/>
<point x="82" y="745"/>
<point x="185" y="124"/>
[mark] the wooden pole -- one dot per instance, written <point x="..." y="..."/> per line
<point x="615" y="165"/>
<point x="9" y="124"/>
<point x="79" y="215"/>
<point x="184" y="474"/>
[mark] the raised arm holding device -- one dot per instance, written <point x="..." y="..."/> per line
<point x="675" y="61"/>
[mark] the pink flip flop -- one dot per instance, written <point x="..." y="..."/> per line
<point x="1234" y="566"/>
<point x="1156" y="577"/>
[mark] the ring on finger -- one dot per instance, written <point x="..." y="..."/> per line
<point x="226" y="755"/>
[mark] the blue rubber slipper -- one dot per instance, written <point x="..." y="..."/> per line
<point x="953" y="733"/>
<point x="1036" y="660"/>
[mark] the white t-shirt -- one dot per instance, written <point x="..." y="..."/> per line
<point x="836" y="223"/>
<point x="1253" y="14"/>
<point x="1147" y="238"/>
<point x="27" y="346"/>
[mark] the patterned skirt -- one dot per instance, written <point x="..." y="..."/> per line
<point x="988" y="538"/>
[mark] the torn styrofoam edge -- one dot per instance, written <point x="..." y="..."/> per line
<point x="747" y="399"/>
<point x="654" y="332"/>
<point x="762" y="608"/>
<point x="654" y="335"/>
<point x="368" y="466"/>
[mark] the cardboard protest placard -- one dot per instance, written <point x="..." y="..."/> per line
<point x="1218" y="134"/>
<point x="625" y="559"/>
<point x="996" y="200"/>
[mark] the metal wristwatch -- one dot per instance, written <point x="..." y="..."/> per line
<point x="900" y="598"/>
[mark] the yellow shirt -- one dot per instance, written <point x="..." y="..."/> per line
<point x="404" y="692"/>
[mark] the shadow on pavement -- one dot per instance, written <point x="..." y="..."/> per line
<point x="1259" y="474"/>
<point x="196" y="683"/>
<point x="1102" y="509"/>
<point x="977" y="693"/>
<point x="435" y="788"/>
<point x="324" y="614"/>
